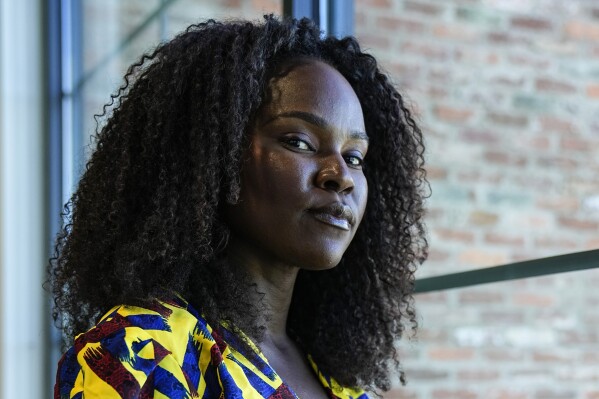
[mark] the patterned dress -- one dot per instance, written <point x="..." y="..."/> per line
<point x="168" y="351"/>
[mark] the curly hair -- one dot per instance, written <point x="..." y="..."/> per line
<point x="146" y="219"/>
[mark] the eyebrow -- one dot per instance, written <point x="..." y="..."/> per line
<point x="317" y="121"/>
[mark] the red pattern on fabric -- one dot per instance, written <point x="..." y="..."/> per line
<point x="161" y="309"/>
<point x="147" y="391"/>
<point x="282" y="392"/>
<point x="160" y="352"/>
<point x="222" y="345"/>
<point x="101" y="331"/>
<point x="215" y="355"/>
<point x="217" y="349"/>
<point x="112" y="371"/>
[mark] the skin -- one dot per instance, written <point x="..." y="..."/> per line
<point x="306" y="150"/>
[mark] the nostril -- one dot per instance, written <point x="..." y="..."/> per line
<point x="331" y="185"/>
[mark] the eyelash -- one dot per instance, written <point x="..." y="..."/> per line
<point x="294" y="141"/>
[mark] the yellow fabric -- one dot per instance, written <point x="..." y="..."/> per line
<point x="169" y="351"/>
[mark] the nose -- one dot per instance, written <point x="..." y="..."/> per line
<point x="334" y="175"/>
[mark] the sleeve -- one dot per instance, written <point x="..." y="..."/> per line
<point x="121" y="359"/>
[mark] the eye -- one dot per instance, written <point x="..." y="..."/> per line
<point x="354" y="161"/>
<point x="298" y="143"/>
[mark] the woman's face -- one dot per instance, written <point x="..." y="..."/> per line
<point x="303" y="192"/>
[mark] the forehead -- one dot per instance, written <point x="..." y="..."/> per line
<point x="318" y="88"/>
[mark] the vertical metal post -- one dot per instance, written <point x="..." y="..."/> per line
<point x="335" y="17"/>
<point x="53" y="14"/>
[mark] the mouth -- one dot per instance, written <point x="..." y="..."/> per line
<point x="336" y="215"/>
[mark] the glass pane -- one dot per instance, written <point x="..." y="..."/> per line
<point x="116" y="33"/>
<point x="525" y="339"/>
<point x="507" y="95"/>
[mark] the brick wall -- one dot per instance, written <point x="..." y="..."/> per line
<point x="507" y="94"/>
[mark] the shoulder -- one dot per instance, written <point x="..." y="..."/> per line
<point x="133" y="349"/>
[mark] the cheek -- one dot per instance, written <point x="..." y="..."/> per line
<point x="362" y="195"/>
<point x="278" y="177"/>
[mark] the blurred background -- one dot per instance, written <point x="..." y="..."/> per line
<point x="507" y="95"/>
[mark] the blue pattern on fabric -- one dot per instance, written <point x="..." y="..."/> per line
<point x="149" y="322"/>
<point x="166" y="383"/>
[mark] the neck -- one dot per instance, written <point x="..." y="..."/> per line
<point x="274" y="281"/>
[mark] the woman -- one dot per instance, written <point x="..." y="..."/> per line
<point x="222" y="222"/>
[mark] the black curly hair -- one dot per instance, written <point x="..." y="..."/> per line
<point x="146" y="219"/>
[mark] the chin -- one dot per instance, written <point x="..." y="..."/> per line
<point x="321" y="263"/>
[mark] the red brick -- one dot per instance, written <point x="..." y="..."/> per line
<point x="576" y="144"/>
<point x="505" y="158"/>
<point x="508" y="81"/>
<point x="274" y="6"/>
<point x="559" y="203"/>
<point x="428" y="374"/>
<point x="578" y="224"/>
<point x="502" y="317"/>
<point x="374" y="41"/>
<point x="236" y="3"/>
<point x="549" y="356"/>
<point x="503" y="355"/>
<point x="539" y="143"/>
<point x="436" y="255"/>
<point x="479" y="136"/>
<point x="454" y="32"/>
<point x="478" y="375"/>
<point x="557" y="162"/>
<point x="400" y="24"/>
<point x="479" y="297"/>
<point x="508" y="119"/>
<point x="482" y="258"/>
<point x="592" y="243"/>
<point x="420" y="7"/>
<point x="555" y="394"/>
<point x="579" y="30"/>
<point x="580" y="337"/>
<point x="483" y="218"/>
<point x="534" y="300"/>
<point x="526" y="60"/>
<point x="507" y="38"/>
<point x="454" y="394"/>
<point x="436" y="173"/>
<point x="405" y="71"/>
<point x="504" y="239"/>
<point x="552" y="242"/>
<point x="437" y="92"/>
<point x="555" y="86"/>
<point x="427" y="51"/>
<point x="593" y="90"/>
<point x="433" y="297"/>
<point x="455" y="235"/>
<point x="553" y="124"/>
<point x="452" y="114"/>
<point x="400" y="393"/>
<point x="360" y="18"/>
<point x="451" y="354"/>
<point x="536" y="24"/>
<point x="505" y="394"/>
<point x="373" y="3"/>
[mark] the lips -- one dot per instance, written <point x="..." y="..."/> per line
<point x="335" y="214"/>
